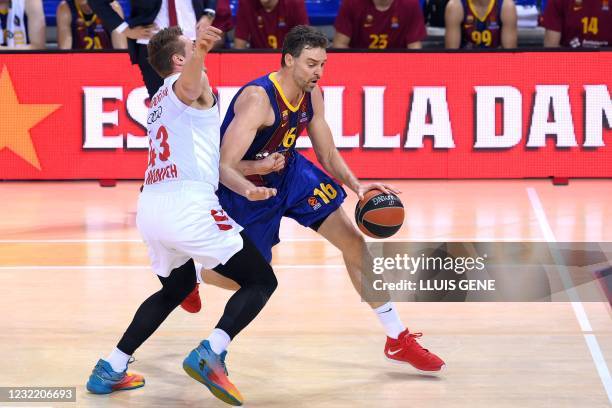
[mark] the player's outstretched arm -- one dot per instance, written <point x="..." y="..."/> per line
<point x="250" y="112"/>
<point x="324" y="147"/>
<point x="188" y="87"/>
<point x="328" y="155"/>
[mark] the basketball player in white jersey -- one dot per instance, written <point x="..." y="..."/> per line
<point x="181" y="221"/>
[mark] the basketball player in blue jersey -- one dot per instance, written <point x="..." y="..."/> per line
<point x="264" y="120"/>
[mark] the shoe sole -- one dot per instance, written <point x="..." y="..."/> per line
<point x="214" y="389"/>
<point x="424" y="372"/>
<point x="93" y="390"/>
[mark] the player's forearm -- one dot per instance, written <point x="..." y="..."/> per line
<point x="337" y="168"/>
<point x="232" y="178"/>
<point x="191" y="77"/>
<point x="249" y="167"/>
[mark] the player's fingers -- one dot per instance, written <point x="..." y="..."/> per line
<point x="393" y="189"/>
<point x="214" y="30"/>
<point x="383" y="188"/>
<point x="210" y="36"/>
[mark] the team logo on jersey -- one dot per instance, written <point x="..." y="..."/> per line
<point x="469" y="19"/>
<point x="369" y="20"/>
<point x="156" y="114"/>
<point x="314" y="203"/>
<point x="285" y="115"/>
<point x="281" y="22"/>
<point x="605" y="5"/>
<point x="394" y="22"/>
<point x="260" y="21"/>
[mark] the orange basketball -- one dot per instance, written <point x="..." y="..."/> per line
<point x="379" y="215"/>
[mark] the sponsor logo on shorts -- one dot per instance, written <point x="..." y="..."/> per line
<point x="314" y="203"/>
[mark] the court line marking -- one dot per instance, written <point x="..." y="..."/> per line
<point x="577" y="306"/>
<point x="77" y="267"/>
<point x="129" y="240"/>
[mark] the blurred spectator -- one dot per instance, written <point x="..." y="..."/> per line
<point x="149" y="16"/>
<point x="223" y="20"/>
<point x="434" y="12"/>
<point x="265" y="23"/>
<point x="480" y="24"/>
<point x="578" y="23"/>
<point x="79" y="28"/>
<point x="13" y="17"/>
<point x="379" y="24"/>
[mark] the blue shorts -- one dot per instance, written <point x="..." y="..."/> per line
<point x="305" y="194"/>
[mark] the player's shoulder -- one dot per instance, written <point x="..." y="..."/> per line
<point x="253" y="96"/>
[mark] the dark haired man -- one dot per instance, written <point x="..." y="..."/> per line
<point x="265" y="118"/>
<point x="181" y="221"/>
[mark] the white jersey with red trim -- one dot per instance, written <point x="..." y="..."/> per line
<point x="183" y="141"/>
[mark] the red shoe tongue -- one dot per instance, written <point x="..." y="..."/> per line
<point x="403" y="334"/>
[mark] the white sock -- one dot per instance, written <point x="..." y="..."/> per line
<point x="219" y="340"/>
<point x="118" y="360"/>
<point x="390" y="320"/>
<point x="198" y="271"/>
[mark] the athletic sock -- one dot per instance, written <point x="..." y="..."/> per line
<point x="118" y="360"/>
<point x="219" y="340"/>
<point x="390" y="320"/>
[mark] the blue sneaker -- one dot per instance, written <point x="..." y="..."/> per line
<point x="103" y="380"/>
<point x="203" y="365"/>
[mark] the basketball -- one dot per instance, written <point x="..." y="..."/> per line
<point x="379" y="215"/>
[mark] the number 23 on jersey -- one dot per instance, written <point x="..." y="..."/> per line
<point x="162" y="134"/>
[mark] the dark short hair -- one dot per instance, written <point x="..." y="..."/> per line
<point x="300" y="37"/>
<point x="162" y="46"/>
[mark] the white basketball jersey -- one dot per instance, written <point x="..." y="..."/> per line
<point x="183" y="141"/>
<point x="14" y="34"/>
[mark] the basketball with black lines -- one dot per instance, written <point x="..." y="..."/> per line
<point x="379" y="215"/>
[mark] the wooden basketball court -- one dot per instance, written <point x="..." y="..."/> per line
<point x="73" y="271"/>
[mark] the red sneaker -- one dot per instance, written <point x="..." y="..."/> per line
<point x="192" y="303"/>
<point x="406" y="350"/>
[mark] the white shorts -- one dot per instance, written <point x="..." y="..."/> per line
<point x="180" y="220"/>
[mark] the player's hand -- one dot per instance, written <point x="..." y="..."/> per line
<point x="273" y="162"/>
<point x="207" y="37"/>
<point x="141" y="32"/>
<point x="204" y="22"/>
<point x="385" y="188"/>
<point x="260" y="193"/>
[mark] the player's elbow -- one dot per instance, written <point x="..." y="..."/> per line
<point x="227" y="166"/>
<point x="325" y="158"/>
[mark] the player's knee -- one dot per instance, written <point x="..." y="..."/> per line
<point x="354" y="244"/>
<point x="266" y="281"/>
<point x="177" y="293"/>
